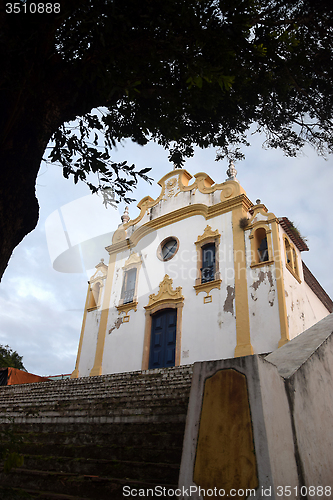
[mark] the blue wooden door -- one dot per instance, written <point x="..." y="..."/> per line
<point x="163" y="339"/>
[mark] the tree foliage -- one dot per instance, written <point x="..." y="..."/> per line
<point x="10" y="358"/>
<point x="202" y="72"/>
<point x="178" y="72"/>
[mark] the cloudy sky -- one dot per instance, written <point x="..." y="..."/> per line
<point x="41" y="307"/>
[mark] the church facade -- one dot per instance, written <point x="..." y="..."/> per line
<point x="201" y="273"/>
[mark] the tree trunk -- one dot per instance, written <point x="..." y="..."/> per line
<point x="20" y="160"/>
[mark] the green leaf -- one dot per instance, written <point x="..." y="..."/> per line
<point x="226" y="82"/>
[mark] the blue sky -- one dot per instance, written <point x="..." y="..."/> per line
<point x="41" y="309"/>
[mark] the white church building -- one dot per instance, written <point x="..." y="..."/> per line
<point x="201" y="273"/>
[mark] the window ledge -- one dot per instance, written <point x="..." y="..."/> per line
<point x="92" y="308"/>
<point x="293" y="273"/>
<point x="127" y="307"/>
<point x="261" y="264"/>
<point x="207" y="287"/>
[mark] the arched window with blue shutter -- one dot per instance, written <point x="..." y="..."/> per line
<point x="208" y="262"/>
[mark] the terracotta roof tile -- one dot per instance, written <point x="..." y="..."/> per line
<point x="297" y="240"/>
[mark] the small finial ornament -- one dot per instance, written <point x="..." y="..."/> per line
<point x="231" y="172"/>
<point x="125" y="217"/>
<point x="258" y="201"/>
<point x="102" y="260"/>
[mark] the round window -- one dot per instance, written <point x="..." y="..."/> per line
<point x="168" y="248"/>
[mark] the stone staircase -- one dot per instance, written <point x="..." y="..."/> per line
<point x="88" y="438"/>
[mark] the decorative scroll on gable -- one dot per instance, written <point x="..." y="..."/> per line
<point x="172" y="188"/>
<point x="176" y="182"/>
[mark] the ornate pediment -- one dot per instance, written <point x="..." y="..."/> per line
<point x="208" y="234"/>
<point x="165" y="294"/>
<point x="100" y="273"/>
<point x="133" y="260"/>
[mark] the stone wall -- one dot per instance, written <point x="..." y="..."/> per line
<point x="261" y="426"/>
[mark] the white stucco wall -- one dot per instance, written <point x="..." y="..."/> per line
<point x="263" y="304"/>
<point x="304" y="308"/>
<point x="305" y="363"/>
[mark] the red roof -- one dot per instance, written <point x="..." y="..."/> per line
<point x="16" y="376"/>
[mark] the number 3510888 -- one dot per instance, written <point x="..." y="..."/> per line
<point x="32" y="8"/>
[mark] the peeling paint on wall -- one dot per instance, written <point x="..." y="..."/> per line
<point x="117" y="324"/>
<point x="261" y="279"/>
<point x="270" y="278"/>
<point x="255" y="285"/>
<point x="271" y="297"/>
<point x="229" y="301"/>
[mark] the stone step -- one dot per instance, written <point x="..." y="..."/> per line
<point x="85" y="430"/>
<point x="82" y="486"/>
<point x="87" y="438"/>
<point x="181" y="374"/>
<point x="133" y="418"/>
<point x="135" y="470"/>
<point x="151" y="413"/>
<point x="161" y="394"/>
<point x="140" y="443"/>
<point x="71" y="385"/>
<point x="158" y="454"/>
<point x="164" y="435"/>
<point x="93" y="399"/>
<point x="116" y="397"/>
<point x="128" y="400"/>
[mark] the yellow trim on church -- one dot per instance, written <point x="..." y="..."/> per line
<point x="75" y="373"/>
<point x="244" y="346"/>
<point x="97" y="368"/>
<point x="284" y="328"/>
<point x="175" y="216"/>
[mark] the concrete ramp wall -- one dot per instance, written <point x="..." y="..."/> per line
<point x="262" y="427"/>
<point x="306" y="366"/>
